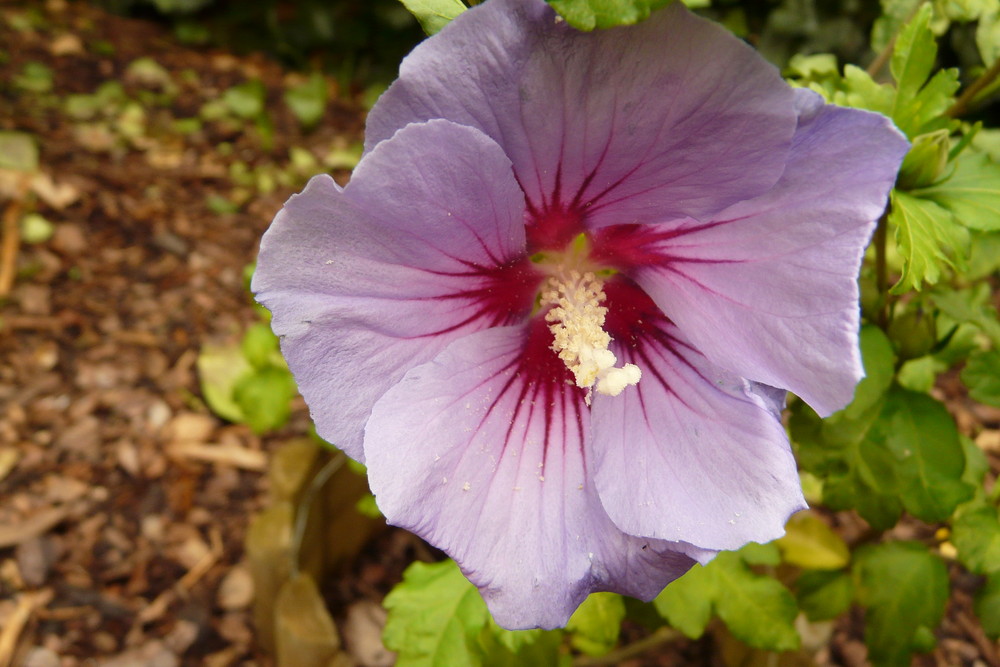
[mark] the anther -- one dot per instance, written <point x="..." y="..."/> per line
<point x="579" y="339"/>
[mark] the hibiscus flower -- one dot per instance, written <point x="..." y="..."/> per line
<point x="557" y="307"/>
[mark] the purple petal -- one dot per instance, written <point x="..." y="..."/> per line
<point x="693" y="453"/>
<point x="483" y="452"/>
<point x="423" y="246"/>
<point x="671" y="117"/>
<point x="768" y="287"/>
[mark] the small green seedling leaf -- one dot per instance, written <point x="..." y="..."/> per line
<point x="590" y="14"/>
<point x="434" y="14"/>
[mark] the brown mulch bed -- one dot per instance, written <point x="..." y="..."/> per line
<point x="115" y="545"/>
<point x="124" y="545"/>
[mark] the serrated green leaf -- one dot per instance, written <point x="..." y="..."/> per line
<point x="982" y="376"/>
<point x="590" y="14"/>
<point x="435" y="617"/>
<point x="922" y="435"/>
<point x="928" y="238"/>
<point x="596" y="623"/>
<point x="972" y="306"/>
<point x="516" y="648"/>
<point x="757" y="610"/>
<point x="896" y="449"/>
<point x="824" y="594"/>
<point x="434" y="14"/>
<point x="862" y="92"/>
<point x="913" y="57"/>
<point x="971" y="192"/>
<point x="687" y="602"/>
<point x="809" y="543"/>
<point x="987" y="606"/>
<point x="984" y="255"/>
<point x="264" y="396"/>
<point x="976" y="536"/>
<point x="904" y="588"/>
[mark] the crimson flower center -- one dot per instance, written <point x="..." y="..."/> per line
<point x="572" y="297"/>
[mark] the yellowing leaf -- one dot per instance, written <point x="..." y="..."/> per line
<point x="810" y="543"/>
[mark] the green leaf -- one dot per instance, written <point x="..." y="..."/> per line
<point x="264" y="396"/>
<point x="435" y="617"/>
<point x="913" y="57"/>
<point x="973" y="306"/>
<point x="246" y="100"/>
<point x="259" y="345"/>
<point x="922" y="435"/>
<point x="976" y="536"/>
<point x="687" y="602"/>
<point x="18" y="151"/>
<point x="307" y="101"/>
<point x="809" y="543"/>
<point x="971" y="192"/>
<point x="824" y="594"/>
<point x="982" y="376"/>
<point x="862" y="92"/>
<point x="928" y="239"/>
<point x="220" y="368"/>
<point x="757" y="609"/>
<point x="987" y="606"/>
<point x="434" y="14"/>
<point x="918" y="104"/>
<point x="596" y="624"/>
<point x="590" y="14"/>
<point x="890" y="449"/>
<point x="904" y="589"/>
<point x="517" y="648"/>
<point x="988" y="36"/>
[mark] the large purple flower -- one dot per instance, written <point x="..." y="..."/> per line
<point x="553" y="308"/>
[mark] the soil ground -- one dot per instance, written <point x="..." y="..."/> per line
<point x="118" y="547"/>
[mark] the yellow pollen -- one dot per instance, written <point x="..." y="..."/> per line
<point x="577" y="318"/>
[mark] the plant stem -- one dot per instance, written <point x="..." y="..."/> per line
<point x="961" y="105"/>
<point x="321" y="477"/>
<point x="881" y="269"/>
<point x="661" y="636"/>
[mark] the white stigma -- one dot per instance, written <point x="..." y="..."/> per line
<point x="577" y="318"/>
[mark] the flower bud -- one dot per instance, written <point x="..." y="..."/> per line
<point x="926" y="160"/>
<point x="913" y="334"/>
